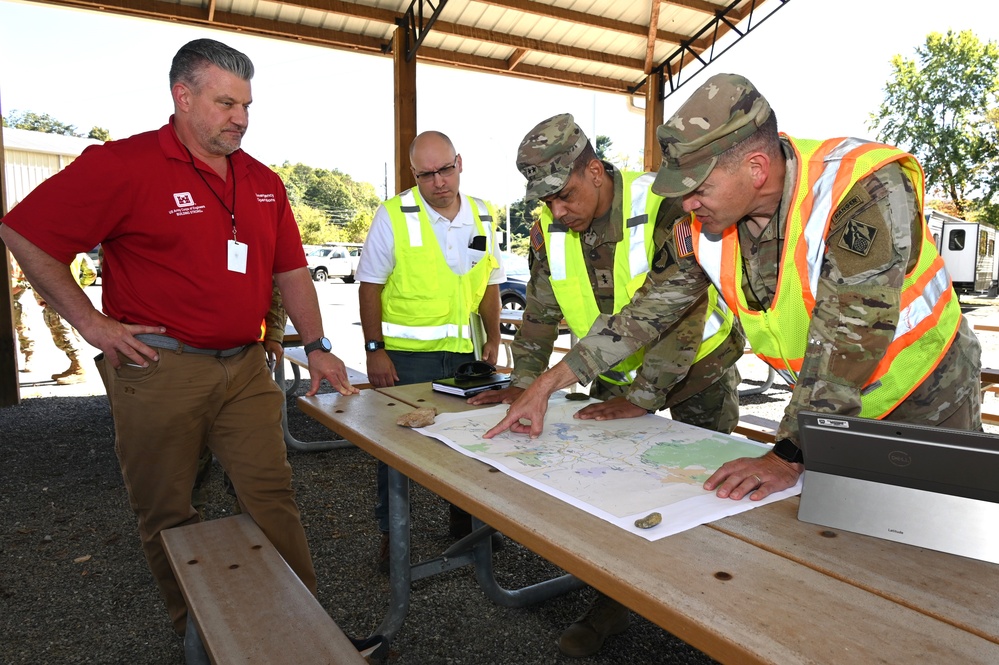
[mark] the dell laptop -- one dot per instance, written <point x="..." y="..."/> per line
<point x="925" y="486"/>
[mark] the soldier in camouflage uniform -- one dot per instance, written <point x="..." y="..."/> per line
<point x="736" y="184"/>
<point x="19" y="285"/>
<point x="64" y="336"/>
<point x="590" y="200"/>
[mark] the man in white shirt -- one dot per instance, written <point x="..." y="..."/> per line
<point x="430" y="260"/>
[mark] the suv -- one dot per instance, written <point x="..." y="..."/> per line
<point x="334" y="261"/>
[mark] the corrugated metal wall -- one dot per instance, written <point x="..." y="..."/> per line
<point x="26" y="170"/>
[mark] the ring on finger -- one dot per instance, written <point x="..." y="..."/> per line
<point x="759" y="481"/>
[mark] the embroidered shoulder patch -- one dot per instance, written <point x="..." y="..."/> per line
<point x="683" y="238"/>
<point x="858" y="237"/>
<point x="537" y="237"/>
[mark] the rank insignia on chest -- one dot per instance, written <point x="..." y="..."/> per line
<point x="858" y="237"/>
<point x="603" y="279"/>
<point x="683" y="238"/>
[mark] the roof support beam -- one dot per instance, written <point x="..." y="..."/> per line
<point x="650" y="50"/>
<point x="676" y="68"/>
<point x="653" y="118"/>
<point x="404" y="73"/>
<point x="416" y="24"/>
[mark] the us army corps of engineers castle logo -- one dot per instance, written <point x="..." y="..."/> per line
<point x="185" y="205"/>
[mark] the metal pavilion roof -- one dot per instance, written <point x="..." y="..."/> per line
<point x="603" y="45"/>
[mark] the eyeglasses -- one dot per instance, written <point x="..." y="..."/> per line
<point x="475" y="369"/>
<point x="444" y="172"/>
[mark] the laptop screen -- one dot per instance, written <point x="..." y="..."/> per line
<point x="945" y="461"/>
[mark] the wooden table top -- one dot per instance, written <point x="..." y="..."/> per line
<point x="759" y="587"/>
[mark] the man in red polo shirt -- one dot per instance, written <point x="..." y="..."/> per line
<point x="193" y="230"/>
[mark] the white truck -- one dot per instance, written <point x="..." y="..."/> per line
<point x="336" y="260"/>
<point x="968" y="250"/>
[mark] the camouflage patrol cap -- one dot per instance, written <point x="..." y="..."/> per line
<point x="722" y="112"/>
<point x="546" y="154"/>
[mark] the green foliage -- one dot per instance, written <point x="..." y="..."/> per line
<point x="336" y="207"/>
<point x="99" y="133"/>
<point x="39" y="122"/>
<point x="942" y="107"/>
<point x="520" y="245"/>
<point x="522" y="216"/>
<point x="313" y="225"/>
<point x="602" y="145"/>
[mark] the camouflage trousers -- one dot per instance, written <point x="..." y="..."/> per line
<point x="716" y="407"/>
<point x="64" y="336"/>
<point x="23" y="341"/>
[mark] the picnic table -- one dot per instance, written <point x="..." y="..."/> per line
<point x="759" y="587"/>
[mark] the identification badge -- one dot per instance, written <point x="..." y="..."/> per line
<point x="237" y="256"/>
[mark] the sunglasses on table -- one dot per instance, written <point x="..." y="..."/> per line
<point x="475" y="369"/>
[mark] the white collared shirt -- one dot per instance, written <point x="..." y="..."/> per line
<point x="378" y="257"/>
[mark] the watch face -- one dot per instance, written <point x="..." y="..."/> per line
<point x="326" y="346"/>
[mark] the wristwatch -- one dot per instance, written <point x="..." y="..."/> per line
<point x="788" y="451"/>
<point x="373" y="345"/>
<point x="321" y="344"/>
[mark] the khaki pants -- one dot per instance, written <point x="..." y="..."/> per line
<point x="166" y="414"/>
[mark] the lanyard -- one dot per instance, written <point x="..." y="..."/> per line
<point x="232" y="210"/>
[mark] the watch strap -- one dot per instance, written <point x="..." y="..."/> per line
<point x="788" y="451"/>
<point x="321" y="344"/>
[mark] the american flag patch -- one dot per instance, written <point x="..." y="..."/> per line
<point x="683" y="238"/>
<point x="537" y="237"/>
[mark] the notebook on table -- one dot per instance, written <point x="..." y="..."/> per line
<point x="925" y="486"/>
<point x="466" y="387"/>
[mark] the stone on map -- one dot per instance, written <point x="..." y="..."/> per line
<point x="419" y="418"/>
<point x="649" y="521"/>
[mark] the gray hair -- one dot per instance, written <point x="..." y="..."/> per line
<point x="194" y="56"/>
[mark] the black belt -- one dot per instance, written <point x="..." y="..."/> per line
<point x="171" y="344"/>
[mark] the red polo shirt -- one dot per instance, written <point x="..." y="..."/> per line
<point x="164" y="225"/>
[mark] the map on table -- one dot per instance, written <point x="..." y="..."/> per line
<point x="618" y="470"/>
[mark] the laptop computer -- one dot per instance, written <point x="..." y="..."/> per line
<point x="925" y="486"/>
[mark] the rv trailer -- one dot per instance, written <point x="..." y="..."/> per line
<point x="968" y="250"/>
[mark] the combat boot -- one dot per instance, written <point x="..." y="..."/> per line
<point x="26" y="367"/>
<point x="605" y="617"/>
<point x="75" y="373"/>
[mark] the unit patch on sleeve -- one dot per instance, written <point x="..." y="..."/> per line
<point x="682" y="238"/>
<point x="537" y="237"/>
<point x="858" y="237"/>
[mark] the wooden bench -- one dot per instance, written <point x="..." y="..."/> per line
<point x="244" y="602"/>
<point x="757" y="428"/>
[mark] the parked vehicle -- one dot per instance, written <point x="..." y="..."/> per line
<point x="513" y="292"/>
<point x="337" y="260"/>
<point x="968" y="251"/>
<point x="95" y="256"/>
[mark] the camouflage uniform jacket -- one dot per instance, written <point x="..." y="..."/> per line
<point x="276" y="318"/>
<point x="665" y="363"/>
<point x="856" y="305"/>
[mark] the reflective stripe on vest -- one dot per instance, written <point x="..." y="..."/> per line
<point x="425" y="305"/>
<point x="632" y="256"/>
<point x="929" y="310"/>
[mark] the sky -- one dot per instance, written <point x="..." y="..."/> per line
<point x="822" y="64"/>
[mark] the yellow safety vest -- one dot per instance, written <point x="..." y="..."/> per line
<point x="930" y="312"/>
<point x="632" y="256"/>
<point x="425" y="305"/>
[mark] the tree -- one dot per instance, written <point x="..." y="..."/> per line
<point x="38" y="122"/>
<point x="602" y="145"/>
<point x="99" y="133"/>
<point x="941" y="107"/>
